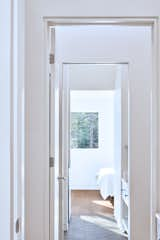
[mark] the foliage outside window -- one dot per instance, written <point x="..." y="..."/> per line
<point x="84" y="130"/>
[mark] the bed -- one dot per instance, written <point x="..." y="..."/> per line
<point x="105" y="181"/>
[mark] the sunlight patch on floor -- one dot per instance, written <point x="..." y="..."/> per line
<point x="106" y="223"/>
<point x="107" y="204"/>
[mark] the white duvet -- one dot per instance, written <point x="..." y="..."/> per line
<point x="105" y="181"/>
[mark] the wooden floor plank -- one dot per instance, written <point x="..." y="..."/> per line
<point x="89" y="202"/>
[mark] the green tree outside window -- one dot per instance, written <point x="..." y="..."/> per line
<point x="84" y="130"/>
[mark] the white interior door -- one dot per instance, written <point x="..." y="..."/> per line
<point x="130" y="45"/>
<point x="121" y="140"/>
<point x="54" y="141"/>
<point x="118" y="144"/>
<point x="66" y="144"/>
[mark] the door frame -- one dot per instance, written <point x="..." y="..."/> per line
<point x="51" y="22"/>
<point x="66" y="162"/>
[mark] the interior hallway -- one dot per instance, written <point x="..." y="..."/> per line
<point x="92" y="218"/>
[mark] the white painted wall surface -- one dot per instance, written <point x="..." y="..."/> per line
<point x="5" y="108"/>
<point x="92" y="76"/>
<point x="90" y="161"/>
<point x="12" y="118"/>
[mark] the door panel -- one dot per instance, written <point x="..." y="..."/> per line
<point x="66" y="143"/>
<point x="54" y="144"/>
<point x="118" y="144"/>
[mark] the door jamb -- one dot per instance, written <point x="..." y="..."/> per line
<point x="154" y="22"/>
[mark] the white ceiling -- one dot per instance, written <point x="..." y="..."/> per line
<point x="92" y="76"/>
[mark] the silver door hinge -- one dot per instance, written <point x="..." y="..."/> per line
<point x="51" y="162"/>
<point x="51" y="58"/>
<point x="18" y="225"/>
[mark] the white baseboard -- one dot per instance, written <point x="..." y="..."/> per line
<point x="84" y="187"/>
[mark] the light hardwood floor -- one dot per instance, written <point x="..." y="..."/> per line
<point x="89" y="202"/>
<point x="92" y="218"/>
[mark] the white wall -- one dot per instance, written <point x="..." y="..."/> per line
<point x="92" y="76"/>
<point x="85" y="163"/>
<point x="5" y="108"/>
<point x="11" y="115"/>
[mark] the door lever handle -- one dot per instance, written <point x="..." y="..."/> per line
<point x="61" y="178"/>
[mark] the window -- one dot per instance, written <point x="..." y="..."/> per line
<point x="84" y="130"/>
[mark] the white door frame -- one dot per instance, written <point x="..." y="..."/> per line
<point x="154" y="23"/>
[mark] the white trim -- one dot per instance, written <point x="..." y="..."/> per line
<point x="85" y="187"/>
<point x="151" y="21"/>
<point x="55" y="21"/>
<point x="158" y="110"/>
<point x="12" y="22"/>
<point x="97" y="61"/>
<point x="46" y="193"/>
<point x="154" y="135"/>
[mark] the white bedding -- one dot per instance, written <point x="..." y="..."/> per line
<point x="105" y="180"/>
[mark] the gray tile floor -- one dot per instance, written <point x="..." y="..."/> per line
<point x="93" y="228"/>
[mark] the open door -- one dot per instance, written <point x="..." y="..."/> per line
<point x="66" y="145"/>
<point x="121" y="203"/>
<point x="54" y="141"/>
<point x="118" y="144"/>
<point x="58" y="137"/>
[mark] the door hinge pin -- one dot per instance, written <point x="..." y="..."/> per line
<point x="51" y="58"/>
<point x="18" y="225"/>
<point x="51" y="162"/>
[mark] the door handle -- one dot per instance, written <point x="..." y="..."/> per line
<point x="61" y="178"/>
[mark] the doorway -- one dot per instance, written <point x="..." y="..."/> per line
<point x="96" y="164"/>
<point x="116" y="44"/>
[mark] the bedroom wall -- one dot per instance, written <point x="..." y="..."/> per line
<point x="90" y="161"/>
